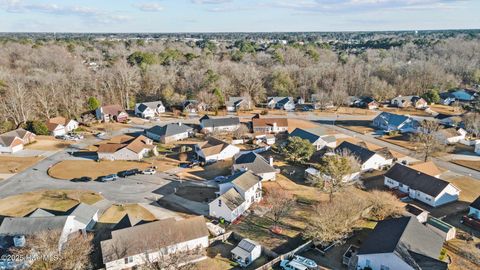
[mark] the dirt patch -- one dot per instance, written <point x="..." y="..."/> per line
<point x="69" y="169"/>
<point x="11" y="164"/>
<point x="57" y="200"/>
<point x="471" y="164"/>
<point x="197" y="193"/>
<point x="48" y="143"/>
<point x="116" y="212"/>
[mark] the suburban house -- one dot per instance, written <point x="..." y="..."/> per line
<point x="59" y="126"/>
<point x="238" y="103"/>
<point x="401" y="243"/>
<point x="149" y="109"/>
<point x="461" y="95"/>
<point x="246" y="252"/>
<point x="237" y="194"/>
<point x="414" y="211"/>
<point x="224" y="124"/>
<point x="213" y="150"/>
<point x="132" y="247"/>
<point x="111" y="113"/>
<point x="362" y="102"/>
<point x="318" y="137"/>
<point x="448" y="120"/>
<point x="409" y="101"/>
<point x="14" y="141"/>
<point x="169" y="133"/>
<point x="420" y="186"/>
<point x="193" y="106"/>
<point x="125" y="147"/>
<point x="319" y="102"/>
<point x="452" y="135"/>
<point x="256" y="164"/>
<point x="395" y="122"/>
<point x="474" y="209"/>
<point x="368" y="159"/>
<point x="14" y="231"/>
<point x="269" y="125"/>
<point x="281" y="103"/>
<point x="440" y="227"/>
<point x="447" y="98"/>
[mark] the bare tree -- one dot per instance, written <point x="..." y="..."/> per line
<point x="428" y="139"/>
<point x="384" y="204"/>
<point x="279" y="203"/>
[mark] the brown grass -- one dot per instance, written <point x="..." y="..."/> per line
<point x="116" y="212"/>
<point x="58" y="200"/>
<point x="471" y="164"/>
<point x="48" y="143"/>
<point x="69" y="169"/>
<point x="405" y="111"/>
<point x="445" y="109"/>
<point x="11" y="164"/>
<point x="470" y="188"/>
<point x="400" y="140"/>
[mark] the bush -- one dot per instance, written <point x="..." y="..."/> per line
<point x="37" y="127"/>
<point x="264" y="112"/>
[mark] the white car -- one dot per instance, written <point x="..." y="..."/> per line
<point x="149" y="171"/>
<point x="298" y="263"/>
<point x="100" y="134"/>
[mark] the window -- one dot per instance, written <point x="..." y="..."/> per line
<point x="219" y="203"/>
<point x="128" y="260"/>
<point x="383" y="267"/>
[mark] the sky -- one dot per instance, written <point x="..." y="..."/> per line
<point x="167" y="16"/>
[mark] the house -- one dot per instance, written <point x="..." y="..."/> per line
<point x="223" y="124"/>
<point x="401" y="243"/>
<point x="409" y="101"/>
<point x="269" y="125"/>
<point x="452" y="135"/>
<point x="149" y="109"/>
<point x="126" y="147"/>
<point x="477" y="147"/>
<point x="213" y="150"/>
<point x="59" y="126"/>
<point x="427" y="168"/>
<point x="414" y="211"/>
<point x="281" y="103"/>
<point x="132" y="247"/>
<point x="238" y="103"/>
<point x="461" y="95"/>
<point x="246" y="252"/>
<point x="237" y="194"/>
<point x="448" y="120"/>
<point x="319" y="102"/>
<point x="255" y="163"/>
<point x="193" y="106"/>
<point x="395" y="122"/>
<point x="111" y="113"/>
<point x="420" y="186"/>
<point x="362" y="102"/>
<point x="318" y="137"/>
<point x="474" y="209"/>
<point x="14" y="231"/>
<point x="445" y="230"/>
<point x="447" y="98"/>
<point x="268" y="139"/>
<point x="169" y="133"/>
<point x="14" y="141"/>
<point x="367" y="159"/>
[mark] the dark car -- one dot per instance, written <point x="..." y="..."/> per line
<point x="128" y="173"/>
<point x="82" y="179"/>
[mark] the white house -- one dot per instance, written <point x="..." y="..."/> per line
<point x="213" y="150"/>
<point x="246" y="252"/>
<point x="395" y="122"/>
<point x="282" y="103"/>
<point x="420" y="186"/>
<point x="448" y="120"/>
<point x="126" y="147"/>
<point x="401" y="244"/>
<point x="316" y="136"/>
<point x="109" y="113"/>
<point x="237" y="194"/>
<point x="368" y="160"/>
<point x="414" y="211"/>
<point x="149" y="109"/>
<point x="269" y="125"/>
<point x="255" y="163"/>
<point x="236" y="103"/>
<point x="409" y="101"/>
<point x="223" y="124"/>
<point x="132" y="247"/>
<point x="14" y="141"/>
<point x="59" y="126"/>
<point x="169" y="133"/>
<point x="474" y="209"/>
<point x="452" y="135"/>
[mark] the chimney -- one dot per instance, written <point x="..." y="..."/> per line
<point x="180" y="124"/>
<point x="270" y="159"/>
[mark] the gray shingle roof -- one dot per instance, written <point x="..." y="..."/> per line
<point x="39" y="212"/>
<point x="220" y="122"/>
<point x="31" y="225"/>
<point x="244" y="180"/>
<point x="304" y="134"/>
<point x="361" y="153"/>
<point x="170" y="129"/>
<point x="391" y="118"/>
<point x="254" y="162"/>
<point x="232" y="199"/>
<point x="152" y="105"/>
<point x="84" y="213"/>
<point x="407" y="238"/>
<point x="417" y="180"/>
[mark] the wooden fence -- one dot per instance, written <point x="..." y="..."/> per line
<point x="287" y="255"/>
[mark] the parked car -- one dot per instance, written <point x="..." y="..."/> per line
<point x="150" y="171"/>
<point x="298" y="263"/>
<point x="220" y="178"/>
<point x="127" y="173"/>
<point x="108" y="178"/>
<point x="100" y="134"/>
<point x="194" y="164"/>
<point x="82" y="179"/>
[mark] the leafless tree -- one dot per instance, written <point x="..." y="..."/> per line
<point x="279" y="203"/>
<point x="428" y="139"/>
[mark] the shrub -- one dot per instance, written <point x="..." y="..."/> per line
<point x="37" y="127"/>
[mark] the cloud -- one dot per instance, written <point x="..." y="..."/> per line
<point x="211" y="2"/>
<point x="88" y="13"/>
<point x="149" y="7"/>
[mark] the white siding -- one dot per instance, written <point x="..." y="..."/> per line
<point x="227" y="153"/>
